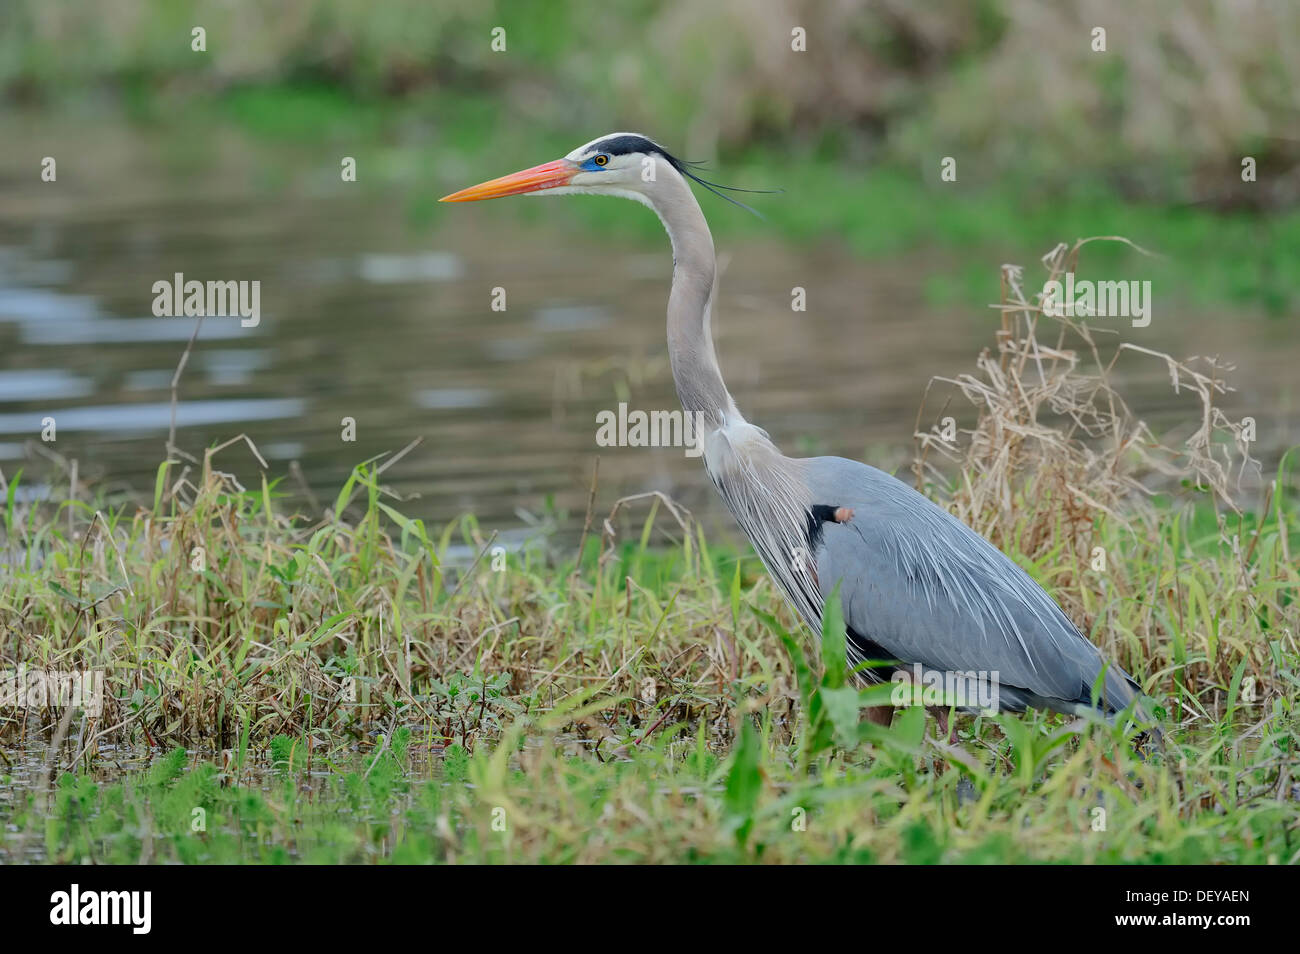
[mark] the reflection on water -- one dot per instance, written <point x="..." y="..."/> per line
<point x="32" y="774"/>
<point x="394" y="328"/>
<point x="109" y="419"/>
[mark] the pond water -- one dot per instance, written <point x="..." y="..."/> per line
<point x="364" y="317"/>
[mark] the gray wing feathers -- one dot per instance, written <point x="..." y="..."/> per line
<point x="919" y="582"/>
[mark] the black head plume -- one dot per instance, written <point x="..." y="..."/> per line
<point x="629" y="142"/>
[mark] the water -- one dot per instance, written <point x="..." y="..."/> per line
<point x="27" y="766"/>
<point x="365" y="317"/>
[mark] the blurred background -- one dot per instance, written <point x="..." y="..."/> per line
<point x="225" y="164"/>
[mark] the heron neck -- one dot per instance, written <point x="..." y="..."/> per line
<point x="690" y="340"/>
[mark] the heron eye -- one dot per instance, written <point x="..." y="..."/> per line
<point x="601" y="160"/>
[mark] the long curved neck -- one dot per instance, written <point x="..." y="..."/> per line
<point x="765" y="491"/>
<point x="690" y="341"/>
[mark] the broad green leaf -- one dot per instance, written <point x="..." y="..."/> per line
<point x="744" y="782"/>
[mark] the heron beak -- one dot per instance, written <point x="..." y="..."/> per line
<point x="546" y="176"/>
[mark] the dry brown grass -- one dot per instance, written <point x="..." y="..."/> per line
<point x="1059" y="471"/>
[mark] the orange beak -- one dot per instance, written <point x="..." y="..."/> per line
<point x="546" y="176"/>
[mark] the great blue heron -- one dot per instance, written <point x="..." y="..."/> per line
<point x="921" y="592"/>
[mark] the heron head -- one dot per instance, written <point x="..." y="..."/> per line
<point x="622" y="164"/>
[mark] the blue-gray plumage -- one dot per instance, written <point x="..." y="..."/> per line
<point x="917" y="586"/>
<point x="928" y="589"/>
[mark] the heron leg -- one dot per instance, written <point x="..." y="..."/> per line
<point x="940" y="714"/>
<point x="879" y="715"/>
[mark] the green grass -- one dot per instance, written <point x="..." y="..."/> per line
<point x="540" y="805"/>
<point x="655" y="702"/>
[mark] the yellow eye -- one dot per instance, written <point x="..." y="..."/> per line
<point x="601" y="160"/>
